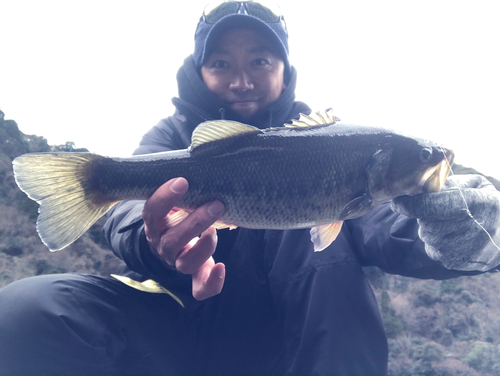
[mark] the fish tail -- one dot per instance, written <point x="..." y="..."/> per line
<point x="59" y="182"/>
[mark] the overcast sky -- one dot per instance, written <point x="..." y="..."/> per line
<point x="101" y="73"/>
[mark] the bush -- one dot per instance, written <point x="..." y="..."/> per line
<point x="393" y="325"/>
<point x="427" y="352"/>
<point x="484" y="357"/>
<point x="12" y="250"/>
<point x="427" y="295"/>
<point x="450" y="287"/>
<point x="422" y="368"/>
<point x="43" y="267"/>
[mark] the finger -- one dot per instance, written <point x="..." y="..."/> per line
<point x="208" y="280"/>
<point x="467" y="181"/>
<point x="160" y="203"/>
<point x="192" y="258"/>
<point x="174" y="240"/>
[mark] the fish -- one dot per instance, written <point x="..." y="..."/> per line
<point x="313" y="173"/>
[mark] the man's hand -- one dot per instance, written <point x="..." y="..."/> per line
<point x="175" y="244"/>
<point x="451" y="235"/>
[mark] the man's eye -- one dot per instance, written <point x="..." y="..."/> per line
<point x="220" y="64"/>
<point x="261" y="61"/>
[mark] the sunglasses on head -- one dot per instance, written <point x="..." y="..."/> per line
<point x="267" y="12"/>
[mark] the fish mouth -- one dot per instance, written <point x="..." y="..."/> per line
<point x="434" y="178"/>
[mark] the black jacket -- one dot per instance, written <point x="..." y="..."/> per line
<point x="284" y="309"/>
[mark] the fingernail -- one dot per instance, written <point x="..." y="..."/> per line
<point x="216" y="208"/>
<point x="222" y="272"/>
<point x="178" y="186"/>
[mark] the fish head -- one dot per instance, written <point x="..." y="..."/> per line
<point x="417" y="166"/>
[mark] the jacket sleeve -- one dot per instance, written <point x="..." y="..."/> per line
<point x="390" y="241"/>
<point x="124" y="228"/>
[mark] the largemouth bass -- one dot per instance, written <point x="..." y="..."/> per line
<point x="314" y="173"/>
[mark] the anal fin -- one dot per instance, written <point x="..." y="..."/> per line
<point x="221" y="225"/>
<point x="323" y="236"/>
<point x="150" y="286"/>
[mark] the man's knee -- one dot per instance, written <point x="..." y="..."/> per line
<point x="46" y="317"/>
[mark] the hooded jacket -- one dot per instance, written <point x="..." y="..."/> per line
<point x="284" y="308"/>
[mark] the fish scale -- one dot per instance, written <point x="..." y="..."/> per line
<point x="306" y="175"/>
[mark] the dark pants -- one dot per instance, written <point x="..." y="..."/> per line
<point x="284" y="310"/>
<point x="71" y="324"/>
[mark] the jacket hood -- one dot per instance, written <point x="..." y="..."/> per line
<point x="199" y="104"/>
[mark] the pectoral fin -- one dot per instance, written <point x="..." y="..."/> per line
<point x="357" y="207"/>
<point x="323" y="236"/>
<point x="177" y="215"/>
<point x="150" y="286"/>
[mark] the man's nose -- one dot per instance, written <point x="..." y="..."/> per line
<point x="241" y="81"/>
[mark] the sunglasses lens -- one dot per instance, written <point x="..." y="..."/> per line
<point x="215" y="12"/>
<point x="266" y="12"/>
<point x="263" y="11"/>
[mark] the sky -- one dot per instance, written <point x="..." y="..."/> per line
<point x="102" y="73"/>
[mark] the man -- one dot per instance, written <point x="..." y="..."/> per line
<point x="256" y="302"/>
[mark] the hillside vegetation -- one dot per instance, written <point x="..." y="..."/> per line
<point x="446" y="328"/>
<point x="22" y="254"/>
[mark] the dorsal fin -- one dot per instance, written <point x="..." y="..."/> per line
<point x="315" y="119"/>
<point x="218" y="130"/>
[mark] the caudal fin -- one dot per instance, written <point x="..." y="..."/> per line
<point x="57" y="182"/>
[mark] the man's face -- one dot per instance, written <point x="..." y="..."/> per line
<point x="244" y="71"/>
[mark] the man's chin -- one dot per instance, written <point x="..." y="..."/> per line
<point x="245" y="111"/>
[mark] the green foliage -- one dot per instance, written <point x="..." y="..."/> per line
<point x="43" y="267"/>
<point x="427" y="296"/>
<point x="375" y="276"/>
<point x="421" y="368"/>
<point x="449" y="287"/>
<point x="12" y="143"/>
<point x="484" y="357"/>
<point x="393" y="325"/>
<point x="26" y="205"/>
<point x="96" y="234"/>
<point x="5" y="277"/>
<point x="68" y="147"/>
<point x="37" y="144"/>
<point x="12" y="250"/>
<point x="427" y="351"/>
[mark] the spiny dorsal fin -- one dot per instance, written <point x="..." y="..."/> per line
<point x="217" y="130"/>
<point x="315" y="119"/>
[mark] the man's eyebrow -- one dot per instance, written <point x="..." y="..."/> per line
<point x="220" y="50"/>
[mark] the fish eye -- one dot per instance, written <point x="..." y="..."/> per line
<point x="425" y="155"/>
